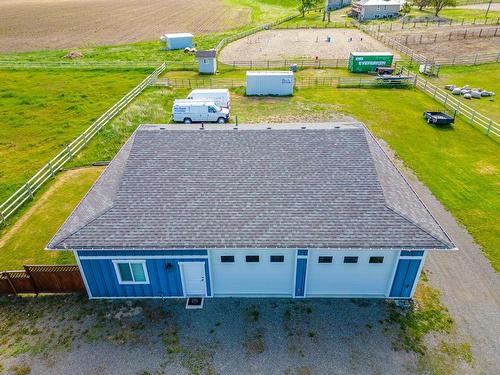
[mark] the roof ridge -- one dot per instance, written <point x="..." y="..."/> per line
<point x="101" y="176"/>
<point x="417" y="225"/>
<point x="84" y="225"/>
<point x="408" y="184"/>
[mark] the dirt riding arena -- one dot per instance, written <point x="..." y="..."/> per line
<point x="28" y="25"/>
<point x="450" y="41"/>
<point x="302" y="43"/>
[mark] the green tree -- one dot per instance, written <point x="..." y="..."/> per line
<point x="405" y="9"/>
<point x="306" y="5"/>
<point x="421" y="4"/>
<point x="440" y="4"/>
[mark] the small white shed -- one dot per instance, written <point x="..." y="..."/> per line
<point x="279" y="83"/>
<point x="207" y="61"/>
<point x="177" y="40"/>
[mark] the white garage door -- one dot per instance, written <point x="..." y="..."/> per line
<point x="349" y="273"/>
<point x="246" y="272"/>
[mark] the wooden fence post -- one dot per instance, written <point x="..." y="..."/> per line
<point x="28" y="272"/>
<point x="475" y="59"/>
<point x="7" y="276"/>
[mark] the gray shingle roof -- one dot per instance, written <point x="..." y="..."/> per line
<point x="320" y="187"/>
<point x="206" y="54"/>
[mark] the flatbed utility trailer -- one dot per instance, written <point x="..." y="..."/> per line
<point x="439" y="118"/>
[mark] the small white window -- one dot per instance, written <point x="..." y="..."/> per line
<point x="131" y="271"/>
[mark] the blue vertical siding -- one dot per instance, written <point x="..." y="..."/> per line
<point x="404" y="278"/>
<point x="300" y="277"/>
<point x="103" y="282"/>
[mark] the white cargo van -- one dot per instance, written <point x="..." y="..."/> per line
<point x="219" y="96"/>
<point x="188" y="111"/>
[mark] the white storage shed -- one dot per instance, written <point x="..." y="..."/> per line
<point x="207" y="61"/>
<point x="178" y="40"/>
<point x="279" y="83"/>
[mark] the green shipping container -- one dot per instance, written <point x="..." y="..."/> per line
<point x="362" y="62"/>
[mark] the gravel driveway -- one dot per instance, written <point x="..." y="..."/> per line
<point x="241" y="336"/>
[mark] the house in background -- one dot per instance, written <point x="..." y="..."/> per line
<point x="282" y="210"/>
<point x="336" y="4"/>
<point x="373" y="9"/>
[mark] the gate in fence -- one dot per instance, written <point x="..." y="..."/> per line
<point x="42" y="279"/>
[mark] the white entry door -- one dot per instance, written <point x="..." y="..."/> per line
<point x="193" y="278"/>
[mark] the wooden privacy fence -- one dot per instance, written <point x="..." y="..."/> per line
<point x="42" y="279"/>
<point x="470" y="115"/>
<point x="48" y="171"/>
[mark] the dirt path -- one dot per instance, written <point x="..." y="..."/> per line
<point x="61" y="179"/>
<point x="469" y="285"/>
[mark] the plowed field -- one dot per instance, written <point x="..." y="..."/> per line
<point x="28" y="25"/>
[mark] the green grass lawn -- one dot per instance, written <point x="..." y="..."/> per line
<point x="457" y="14"/>
<point x="338" y="17"/>
<point x="26" y="243"/>
<point x="475" y="76"/>
<point x="42" y="111"/>
<point x="465" y="180"/>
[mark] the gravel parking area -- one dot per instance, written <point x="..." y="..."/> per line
<point x="233" y="336"/>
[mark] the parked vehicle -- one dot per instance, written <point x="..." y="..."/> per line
<point x="438" y="118"/>
<point x="219" y="96"/>
<point x="189" y="111"/>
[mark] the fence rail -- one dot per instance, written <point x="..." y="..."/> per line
<point x="460" y="34"/>
<point x="299" y="82"/>
<point x="395" y="44"/>
<point x="243" y="34"/>
<point x="408" y="25"/>
<point x="42" y="279"/>
<point x="421" y="59"/>
<point x="492" y="128"/>
<point x="26" y="191"/>
<point x="26" y="64"/>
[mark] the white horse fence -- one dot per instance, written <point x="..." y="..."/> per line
<point x="48" y="171"/>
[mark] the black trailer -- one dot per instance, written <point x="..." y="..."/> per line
<point x="439" y="118"/>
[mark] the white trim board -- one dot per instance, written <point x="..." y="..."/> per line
<point x="84" y="277"/>
<point x="129" y="262"/>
